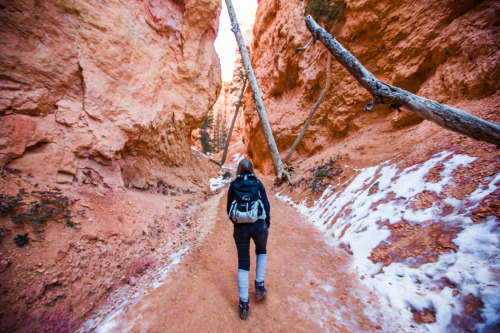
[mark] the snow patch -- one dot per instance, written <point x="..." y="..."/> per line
<point x="353" y="218"/>
<point x="220" y="181"/>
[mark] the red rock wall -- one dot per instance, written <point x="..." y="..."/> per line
<point x="226" y="104"/>
<point x="440" y="49"/>
<point x="104" y="92"/>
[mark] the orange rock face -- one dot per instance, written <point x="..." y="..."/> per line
<point x="105" y="93"/>
<point x="226" y="104"/>
<point x="441" y="50"/>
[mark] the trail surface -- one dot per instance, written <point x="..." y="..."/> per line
<point x="310" y="286"/>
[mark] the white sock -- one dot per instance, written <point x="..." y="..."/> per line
<point x="261" y="267"/>
<point x="243" y="284"/>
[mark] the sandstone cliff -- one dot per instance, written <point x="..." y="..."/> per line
<point x="351" y="163"/>
<point x="105" y="93"/>
<point x="442" y="50"/>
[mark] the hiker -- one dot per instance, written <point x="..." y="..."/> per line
<point x="248" y="209"/>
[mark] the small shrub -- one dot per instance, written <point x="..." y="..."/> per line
<point x="226" y="175"/>
<point x="9" y="203"/>
<point x="22" y="240"/>
<point x="321" y="176"/>
<point x="8" y="171"/>
<point x="324" y="11"/>
<point x="52" y="204"/>
<point x="163" y="187"/>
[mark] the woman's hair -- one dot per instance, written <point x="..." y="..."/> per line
<point x="245" y="166"/>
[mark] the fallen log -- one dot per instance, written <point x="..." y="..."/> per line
<point x="448" y="117"/>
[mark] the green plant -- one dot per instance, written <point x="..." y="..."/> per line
<point x="226" y="175"/>
<point x="22" y="240"/>
<point x="206" y="144"/>
<point x="324" y="11"/>
<point x="52" y="204"/>
<point x="9" y="203"/>
<point x="219" y="133"/>
<point x="239" y="74"/>
<point x="321" y="176"/>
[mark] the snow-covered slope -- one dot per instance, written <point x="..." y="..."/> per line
<point x="415" y="244"/>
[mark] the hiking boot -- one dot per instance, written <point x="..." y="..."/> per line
<point x="260" y="291"/>
<point x="244" y="308"/>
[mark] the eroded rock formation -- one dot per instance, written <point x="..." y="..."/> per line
<point x="105" y="93"/>
<point x="442" y="50"/>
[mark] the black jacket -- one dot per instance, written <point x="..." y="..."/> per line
<point x="265" y="201"/>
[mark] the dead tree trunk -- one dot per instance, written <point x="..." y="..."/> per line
<point x="228" y="139"/>
<point x="313" y="109"/>
<point x="445" y="116"/>
<point x="259" y="104"/>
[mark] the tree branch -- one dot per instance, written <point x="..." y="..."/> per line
<point x="313" y="109"/>
<point x="304" y="47"/>
<point x="445" y="116"/>
<point x="228" y="139"/>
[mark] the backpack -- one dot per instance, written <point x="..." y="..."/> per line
<point x="247" y="207"/>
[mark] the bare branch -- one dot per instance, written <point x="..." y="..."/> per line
<point x="314" y="38"/>
<point x="228" y="139"/>
<point x="445" y="116"/>
<point x="313" y="109"/>
<point x="304" y="47"/>
<point x="369" y="106"/>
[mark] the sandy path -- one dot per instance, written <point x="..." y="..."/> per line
<point x="310" y="286"/>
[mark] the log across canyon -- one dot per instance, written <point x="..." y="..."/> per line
<point x="445" y="116"/>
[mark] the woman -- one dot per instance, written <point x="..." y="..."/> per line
<point x="246" y="187"/>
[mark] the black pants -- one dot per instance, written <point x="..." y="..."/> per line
<point x="242" y="233"/>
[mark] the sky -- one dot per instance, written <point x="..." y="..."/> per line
<point x="225" y="43"/>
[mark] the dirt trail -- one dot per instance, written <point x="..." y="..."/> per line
<point x="311" y="288"/>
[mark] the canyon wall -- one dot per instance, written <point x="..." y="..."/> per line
<point x="442" y="50"/>
<point x="105" y="93"/>
<point x="226" y="105"/>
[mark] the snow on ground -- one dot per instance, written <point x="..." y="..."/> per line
<point x="359" y="215"/>
<point x="195" y="152"/>
<point x="111" y="321"/>
<point x="221" y="180"/>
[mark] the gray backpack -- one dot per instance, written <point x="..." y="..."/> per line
<point x="247" y="207"/>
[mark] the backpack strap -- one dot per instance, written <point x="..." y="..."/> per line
<point x="233" y="206"/>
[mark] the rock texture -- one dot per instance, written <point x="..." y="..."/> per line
<point x="226" y="104"/>
<point x="105" y="93"/>
<point x="442" y="50"/>
<point x="63" y="275"/>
